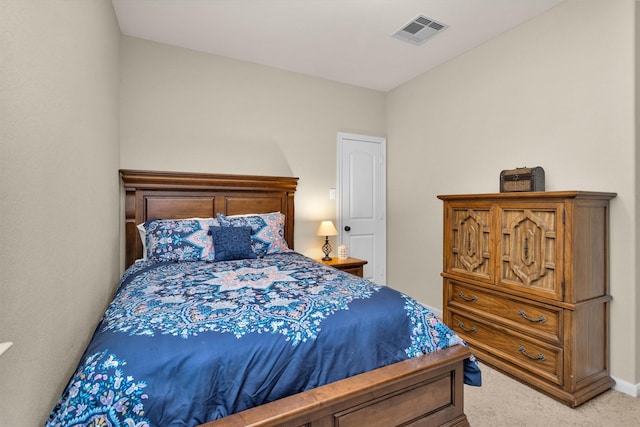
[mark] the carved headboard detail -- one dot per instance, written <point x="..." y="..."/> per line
<point x="171" y="195"/>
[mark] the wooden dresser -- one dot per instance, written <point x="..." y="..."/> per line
<point x="526" y="285"/>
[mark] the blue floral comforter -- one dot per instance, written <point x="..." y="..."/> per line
<point x="188" y="342"/>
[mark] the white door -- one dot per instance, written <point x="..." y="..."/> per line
<point x="362" y="201"/>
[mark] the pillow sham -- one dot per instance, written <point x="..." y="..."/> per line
<point x="143" y="238"/>
<point x="179" y="239"/>
<point x="232" y="243"/>
<point x="267" y="231"/>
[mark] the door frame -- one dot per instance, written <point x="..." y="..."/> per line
<point x="383" y="170"/>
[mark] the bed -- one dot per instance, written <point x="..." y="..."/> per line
<point x="248" y="332"/>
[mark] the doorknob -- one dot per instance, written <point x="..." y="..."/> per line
<point x="347" y="228"/>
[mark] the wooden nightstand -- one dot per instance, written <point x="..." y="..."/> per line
<point x="353" y="266"/>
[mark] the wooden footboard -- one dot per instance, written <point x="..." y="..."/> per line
<point x="423" y="391"/>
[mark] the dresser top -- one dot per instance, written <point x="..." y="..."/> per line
<point x="570" y="194"/>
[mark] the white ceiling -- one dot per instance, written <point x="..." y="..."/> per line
<point x="347" y="41"/>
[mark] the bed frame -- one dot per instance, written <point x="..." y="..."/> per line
<point x="423" y="391"/>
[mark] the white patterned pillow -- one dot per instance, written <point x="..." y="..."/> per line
<point x="267" y="231"/>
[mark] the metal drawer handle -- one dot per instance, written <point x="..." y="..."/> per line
<point x="466" y="298"/>
<point x="473" y="329"/>
<point x="540" y="319"/>
<point x="540" y="357"/>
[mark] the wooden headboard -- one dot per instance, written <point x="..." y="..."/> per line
<point x="172" y="195"/>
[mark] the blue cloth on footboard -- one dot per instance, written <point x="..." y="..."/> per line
<point x="183" y="343"/>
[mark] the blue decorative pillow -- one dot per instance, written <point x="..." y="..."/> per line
<point x="232" y="243"/>
<point x="179" y="239"/>
<point x="267" y="231"/>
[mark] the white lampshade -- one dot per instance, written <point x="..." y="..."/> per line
<point x="327" y="229"/>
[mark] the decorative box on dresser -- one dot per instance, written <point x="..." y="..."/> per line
<point x="526" y="285"/>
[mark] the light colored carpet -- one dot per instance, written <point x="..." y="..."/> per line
<point x="503" y="401"/>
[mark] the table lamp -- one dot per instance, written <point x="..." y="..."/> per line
<point x="326" y="229"/>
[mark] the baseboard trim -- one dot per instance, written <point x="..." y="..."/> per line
<point x="436" y="311"/>
<point x="626" y="387"/>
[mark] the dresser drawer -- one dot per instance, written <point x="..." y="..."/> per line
<point x="539" y="358"/>
<point x="541" y="321"/>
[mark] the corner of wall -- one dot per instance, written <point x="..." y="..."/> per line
<point x="637" y="187"/>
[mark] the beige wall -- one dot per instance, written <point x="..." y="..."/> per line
<point x="556" y="92"/>
<point x="183" y="110"/>
<point x="59" y="217"/>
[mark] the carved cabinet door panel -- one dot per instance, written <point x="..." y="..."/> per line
<point x="531" y="249"/>
<point x="469" y="241"/>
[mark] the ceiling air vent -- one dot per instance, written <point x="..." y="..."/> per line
<point x="419" y="30"/>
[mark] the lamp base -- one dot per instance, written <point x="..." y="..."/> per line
<point x="326" y="249"/>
